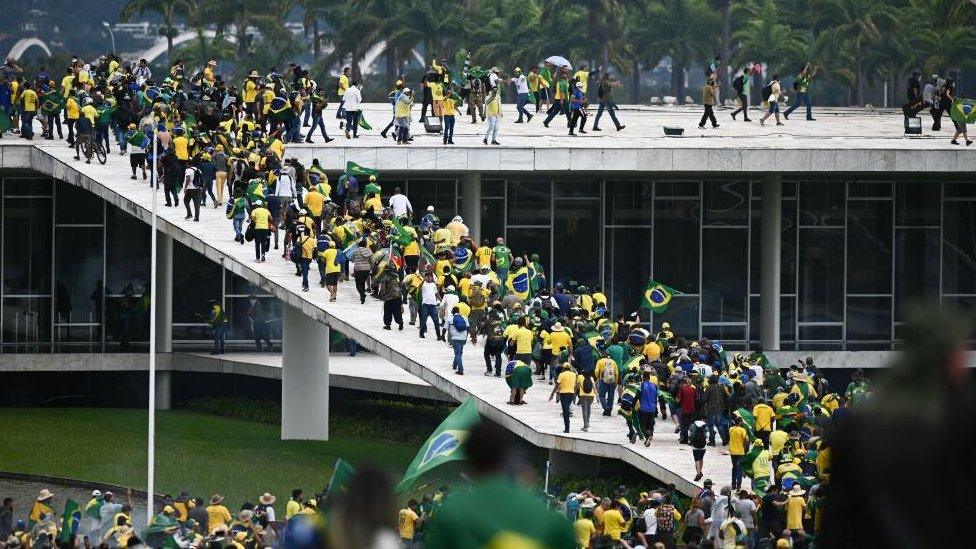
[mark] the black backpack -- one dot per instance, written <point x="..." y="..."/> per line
<point x="739" y="83"/>
<point x="767" y="90"/>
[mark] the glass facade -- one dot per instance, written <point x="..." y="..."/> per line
<point x="855" y="254"/>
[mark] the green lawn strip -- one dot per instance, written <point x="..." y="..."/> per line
<point x="202" y="453"/>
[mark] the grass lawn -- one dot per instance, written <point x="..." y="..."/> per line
<point x="202" y="453"/>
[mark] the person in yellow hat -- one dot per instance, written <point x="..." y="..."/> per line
<point x="521" y="84"/>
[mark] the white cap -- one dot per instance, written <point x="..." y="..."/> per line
<point x="96" y="493"/>
<point x="458" y="219"/>
<point x="430" y="208"/>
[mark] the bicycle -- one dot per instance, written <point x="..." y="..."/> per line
<point x="93" y="148"/>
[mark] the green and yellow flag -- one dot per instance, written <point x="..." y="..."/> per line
<point x="657" y="296"/>
<point x="70" y="523"/>
<point x="342" y="473"/>
<point x="963" y="111"/>
<point x="444" y="445"/>
<point x="355" y="169"/>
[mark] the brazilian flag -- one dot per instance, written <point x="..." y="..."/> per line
<point x="748" y="421"/>
<point x="519" y="283"/>
<point x="342" y="473"/>
<point x="70" y="523"/>
<point x="280" y="109"/>
<point x="399" y="235"/>
<point x="657" y="296"/>
<point x="355" y="169"/>
<point x="963" y="111"/>
<point x="668" y="397"/>
<point x="444" y="445"/>
<point x="463" y="261"/>
<point x="52" y="103"/>
<point x="363" y="123"/>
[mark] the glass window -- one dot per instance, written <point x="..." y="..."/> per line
<point x="628" y="263"/>
<point x="629" y="202"/>
<point x="528" y="203"/>
<point x="676" y="227"/>
<point x="956" y="189"/>
<point x="577" y="189"/>
<point x="76" y="205"/>
<point x="26" y="324"/>
<point x="959" y="248"/>
<point x="238" y="285"/>
<point x="726" y="203"/>
<point x="821" y="203"/>
<point x="869" y="247"/>
<point x="918" y="203"/>
<point x="78" y="286"/>
<point x="787" y="259"/>
<point x="196" y="280"/>
<point x="492" y="219"/>
<point x="869" y="189"/>
<point x="531" y="240"/>
<point x="725" y="278"/>
<point x="916" y="268"/>
<point x="27" y="186"/>
<point x="789" y="189"/>
<point x="240" y="323"/>
<point x="821" y="274"/>
<point x="77" y="338"/>
<point x="127" y="247"/>
<point x="440" y="193"/>
<point x="492" y="188"/>
<point x="677" y="188"/>
<point x="682" y="314"/>
<point x="724" y="332"/>
<point x="821" y="333"/>
<point x="126" y="321"/>
<point x="868" y="318"/>
<point x="27" y="240"/>
<point x="576" y="241"/>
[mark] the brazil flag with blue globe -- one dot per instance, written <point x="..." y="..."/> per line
<point x="963" y="111"/>
<point x="657" y="296"/>
<point x="444" y="445"/>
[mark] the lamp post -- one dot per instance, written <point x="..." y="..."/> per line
<point x="111" y="34"/>
<point x="151" y="442"/>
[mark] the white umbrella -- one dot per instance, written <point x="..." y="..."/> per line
<point x="559" y="61"/>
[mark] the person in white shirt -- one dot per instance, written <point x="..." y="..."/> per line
<point x="192" y="178"/>
<point x="285" y="186"/>
<point x="400" y="204"/>
<point x="428" y="306"/>
<point x="522" y="95"/>
<point x="142" y="72"/>
<point x="493" y="77"/>
<point x="352" y="104"/>
<point x="448" y="302"/>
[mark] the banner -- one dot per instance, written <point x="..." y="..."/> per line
<point x="444" y="445"/>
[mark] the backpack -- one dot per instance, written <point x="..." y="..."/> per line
<point x="588" y="384"/>
<point x="609" y="374"/>
<point x="739" y="84"/>
<point x="796" y="83"/>
<point x="697" y="436"/>
<point x="459" y="323"/>
<point x="767" y="90"/>
<point x="665" y="518"/>
<point x="477" y="299"/>
<point x="197" y="178"/>
<point x="495" y="331"/>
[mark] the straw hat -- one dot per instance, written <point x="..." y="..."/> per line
<point x="797" y="490"/>
<point x="254" y="74"/>
<point x="44" y="495"/>
<point x="266" y="498"/>
<point x="215" y="499"/>
<point x="588" y="503"/>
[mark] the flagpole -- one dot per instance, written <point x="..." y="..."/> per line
<point x="151" y="444"/>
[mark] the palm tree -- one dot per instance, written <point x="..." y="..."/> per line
<point x="945" y="36"/>
<point x="267" y="16"/>
<point x="857" y="27"/>
<point x="681" y="30"/>
<point x="764" y="38"/>
<point x="169" y="10"/>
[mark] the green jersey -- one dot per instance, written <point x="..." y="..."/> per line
<point x="503" y="257"/>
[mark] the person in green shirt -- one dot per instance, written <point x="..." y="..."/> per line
<point x="503" y="262"/>
<point x="217" y="319"/>
<point x="544" y="97"/>
<point x="802" y="87"/>
<point x="560" y="103"/>
<point x="495" y="511"/>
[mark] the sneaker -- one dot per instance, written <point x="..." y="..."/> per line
<point x="786" y="116"/>
<point x="529" y="119"/>
<point x="386" y="327"/>
<point x="622" y="126"/>
<point x="698" y="477"/>
<point x="493" y="142"/>
<point x="328" y="140"/>
<point x="596" y="130"/>
<point x="733" y="116"/>
<point x="954" y="142"/>
<point x="485" y="141"/>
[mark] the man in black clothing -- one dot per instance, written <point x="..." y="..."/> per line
<point x="604" y="93"/>
<point x="259" y="322"/>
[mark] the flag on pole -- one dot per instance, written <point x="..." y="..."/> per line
<point x="444" y="445"/>
<point x="355" y="169"/>
<point x="342" y="473"/>
<point x="70" y="523"/>
<point x="657" y="296"/>
<point x="748" y="420"/>
<point x="963" y="111"/>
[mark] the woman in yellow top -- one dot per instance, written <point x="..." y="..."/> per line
<point x="494" y="111"/>
<point x="586" y="392"/>
<point x="331" y="269"/>
<point x="566" y="387"/>
<point x="261" y="221"/>
<point x="448" y="110"/>
<point x="306" y="241"/>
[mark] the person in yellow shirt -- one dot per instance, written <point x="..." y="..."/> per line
<point x="72" y="111"/>
<point x="261" y="221"/>
<point x="341" y="88"/>
<point x="586" y="393"/>
<point x="307" y="242"/>
<point x="295" y="504"/>
<point x="181" y="145"/>
<point x="407" y="521"/>
<point x="493" y="108"/>
<point x="583" y="529"/>
<point x="28" y="109"/>
<point x="331" y="269"/>
<point x="764" y="415"/>
<point x="484" y="255"/>
<point x="67" y="83"/>
<point x="738" y="441"/>
<point x="314" y="200"/>
<point x="566" y="387"/>
<point x="217" y="514"/>
<point x="448" y="111"/>
<point x="560" y="341"/>
<point x="795" y="506"/>
<point x="777" y="441"/>
<point x="613" y="522"/>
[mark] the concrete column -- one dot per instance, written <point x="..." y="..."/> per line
<point x="769" y="283"/>
<point x="570" y="463"/>
<point x="164" y="389"/>
<point x="471" y="203"/>
<point x="164" y="293"/>
<point x="304" y="377"/>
